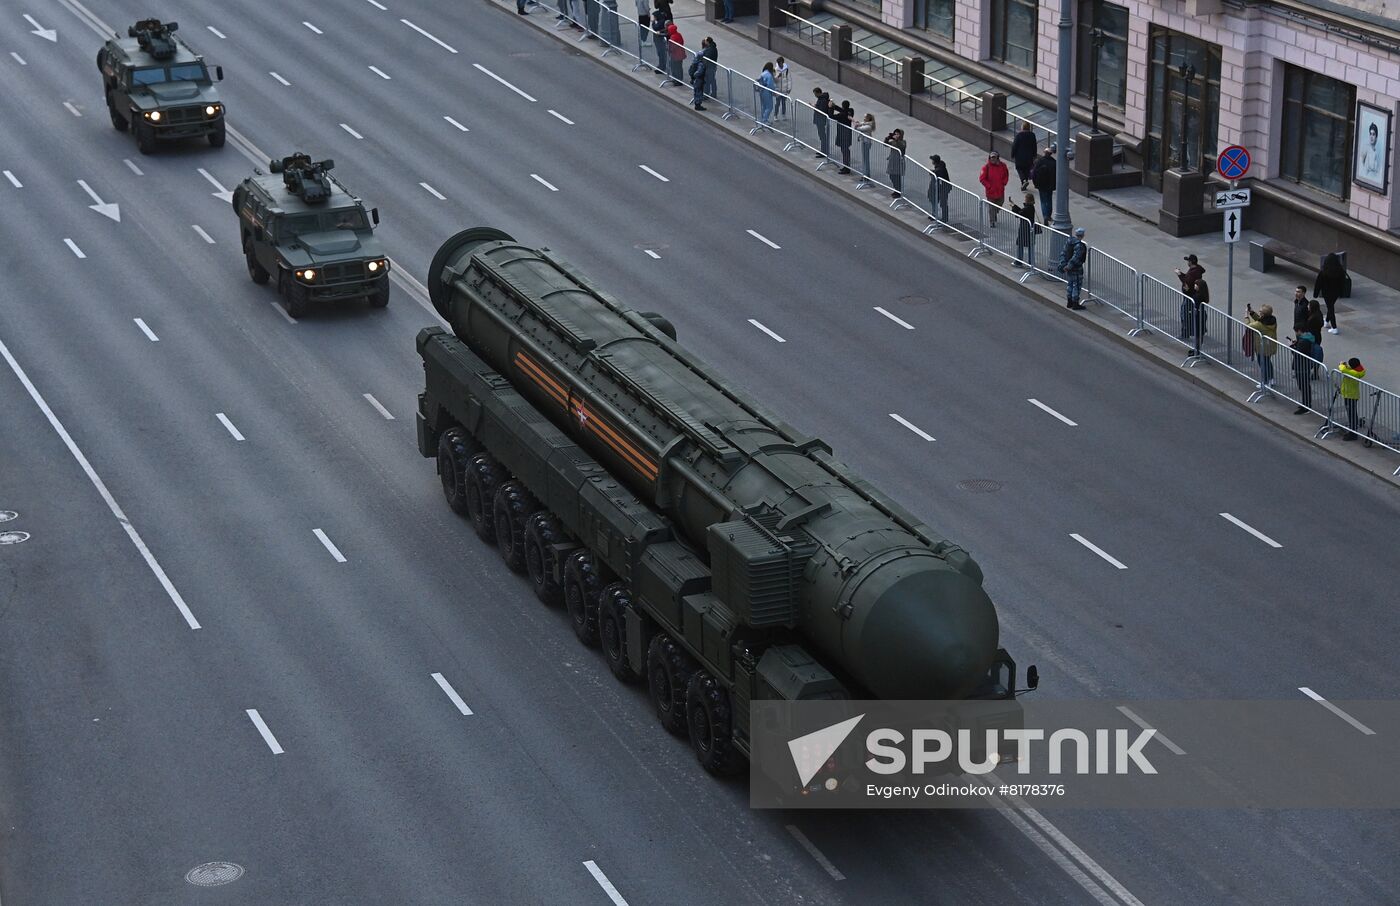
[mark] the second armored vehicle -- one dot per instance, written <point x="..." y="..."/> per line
<point x="159" y="88"/>
<point x="303" y="227"/>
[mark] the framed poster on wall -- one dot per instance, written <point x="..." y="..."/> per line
<point x="1371" y="157"/>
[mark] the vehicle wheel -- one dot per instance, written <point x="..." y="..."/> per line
<point x="454" y="455"/>
<point x="256" y="271"/>
<point x="484" y="475"/>
<point x="380" y="297"/>
<point x="542" y="531"/>
<point x="711" y="725"/>
<point x="581" y="587"/>
<point x="216" y="139"/>
<point x="613" y="604"/>
<point x="145" y="138"/>
<point x="509" y="510"/>
<point x="295" y="298"/>
<point x="119" y="122"/>
<point x="668" y="672"/>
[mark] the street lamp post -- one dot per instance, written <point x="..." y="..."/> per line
<point x="1188" y="73"/>
<point x="1061" y="220"/>
<point x="1096" y="38"/>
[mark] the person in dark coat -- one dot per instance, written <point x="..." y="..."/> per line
<point x="1043" y="178"/>
<point x="659" y="20"/>
<point x="1189" y="276"/>
<point x="1331" y="281"/>
<point x="822" y="108"/>
<point x="1072" y="258"/>
<point x="1023" y="148"/>
<point x="710" y="50"/>
<point x="1302" y="370"/>
<point x="1025" y="231"/>
<point x="844" y="115"/>
<point x="1300" y="308"/>
<point x="939" y="188"/>
<point x="894" y="164"/>
<point x="1313" y="324"/>
<point x="697" y="80"/>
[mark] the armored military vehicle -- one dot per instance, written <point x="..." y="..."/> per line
<point x="302" y="225"/>
<point x="158" y="87"/>
<point x="705" y="545"/>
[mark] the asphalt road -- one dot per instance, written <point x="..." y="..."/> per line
<point x="128" y="753"/>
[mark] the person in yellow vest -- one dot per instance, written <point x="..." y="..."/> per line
<point x="1351" y="369"/>
<point x="1267" y="326"/>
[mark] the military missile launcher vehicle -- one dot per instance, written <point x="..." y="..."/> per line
<point x="159" y="88"/>
<point x="706" y="546"/>
<point x="301" y="224"/>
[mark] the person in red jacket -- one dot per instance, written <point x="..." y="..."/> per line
<point x="677" y="46"/>
<point x="994" y="178"/>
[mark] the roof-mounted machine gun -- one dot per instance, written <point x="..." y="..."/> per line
<point x="311" y="182"/>
<point x="155" y="37"/>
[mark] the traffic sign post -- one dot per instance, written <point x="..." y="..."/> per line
<point x="1233" y="162"/>
<point x="1232" y="198"/>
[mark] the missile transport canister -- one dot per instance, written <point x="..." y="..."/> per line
<point x="704" y="544"/>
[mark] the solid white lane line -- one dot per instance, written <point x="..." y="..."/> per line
<point x="541" y="180"/>
<point x="1046" y="409"/>
<point x="452" y="694"/>
<point x="457" y="124"/>
<point x="1096" y="549"/>
<point x="1156" y="733"/>
<point x="504" y="82"/>
<point x="18" y="59"/>
<point x="329" y="545"/>
<point x="763" y="328"/>
<point x="561" y="117"/>
<point x="14" y="181"/>
<point x="150" y="334"/>
<point x="377" y="5"/>
<point x="280" y="79"/>
<point x="283" y="312"/>
<point x="911" y="426"/>
<point x="433" y="192"/>
<point x="71" y="109"/>
<point x="74" y="247"/>
<point x="652" y="254"/>
<point x="604" y="883"/>
<point x="445" y="46"/>
<point x="1252" y="530"/>
<point x="1060" y="859"/>
<point x="352" y="132"/>
<point x="1337" y="711"/>
<point x="379" y="406"/>
<point x="815" y="853"/>
<point x="101" y="486"/>
<point x="653" y="172"/>
<point x="895" y="318"/>
<point x="223" y="419"/>
<point x="313" y="28"/>
<point x="765" y="240"/>
<point x="267" y="736"/>
<point x="132" y="167"/>
<point x="217" y="33"/>
<point x="379" y="72"/>
<point x="202" y="235"/>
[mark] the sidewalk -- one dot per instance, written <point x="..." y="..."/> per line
<point x="1369" y="321"/>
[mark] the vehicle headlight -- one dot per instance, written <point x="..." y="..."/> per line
<point x="211" y="110"/>
<point x="153" y="116"/>
<point x="308" y="275"/>
<point x="374" y="267"/>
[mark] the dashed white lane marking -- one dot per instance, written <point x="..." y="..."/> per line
<point x="1046" y="409"/>
<point x="764" y="239"/>
<point x="1337" y="711"/>
<point x="911" y="426"/>
<point x="150" y="334"/>
<point x="329" y="545"/>
<point x="766" y="330"/>
<point x="457" y="124"/>
<point x="505" y="83"/>
<point x="561" y="117"/>
<point x="895" y="318"/>
<point x="1156" y="733"/>
<point x="101" y="486"/>
<point x="313" y="28"/>
<point x="452" y="694"/>
<point x="280" y="79"/>
<point x="379" y="72"/>
<point x="217" y="33"/>
<point x="377" y="5"/>
<point x="379" y="407"/>
<point x="443" y="44"/>
<point x="433" y="192"/>
<point x="132" y="167"/>
<point x="223" y="420"/>
<point x="74" y="247"/>
<point x="352" y="132"/>
<point x="815" y="853"/>
<point x="652" y="254"/>
<point x="14" y="181"/>
<point x="267" y="736"/>
<point x="653" y="172"/>
<point x="1065" y="863"/>
<point x="604" y="883"/>
<point x="18" y="59"/>
<point x="1251" y="529"/>
<point x="71" y="109"/>
<point x="542" y="181"/>
<point x="1096" y="549"/>
<point x="202" y="235"/>
<point x="283" y="312"/>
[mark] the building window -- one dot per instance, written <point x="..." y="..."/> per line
<point x="1013" y="33"/>
<point x="935" y="16"/>
<point x="1170" y="94"/>
<point x="1317" y="126"/>
<point x="1112" y="20"/>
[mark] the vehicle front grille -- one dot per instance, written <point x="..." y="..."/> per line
<point x="184" y="116"/>
<point x="345" y="272"/>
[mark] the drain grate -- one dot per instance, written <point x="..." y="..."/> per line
<point x="980" y="485"/>
<point x="13" y="537"/>
<point x="213" y="874"/>
<point x="7" y="515"/>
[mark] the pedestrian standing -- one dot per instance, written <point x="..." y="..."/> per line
<point x="1025" y="231"/>
<point x="1193" y="272"/>
<point x="710" y="50"/>
<point x="659" y="21"/>
<point x="783" y="75"/>
<point x="676" y="44"/>
<point x="697" y="79"/>
<point x="767" y="87"/>
<point x="1331" y="281"/>
<point x="994" y="177"/>
<point x="894" y="165"/>
<point x="665" y="7"/>
<point x="1300" y="308"/>
<point x="1072" y="258"/>
<point x="1266" y="344"/>
<point x="1043" y="178"/>
<point x="1200" y="304"/>
<point x="1023" y="148"/>
<point x="1313" y="323"/>
<point x="843" y="116"/>
<point x="866" y="128"/>
<point x="1351" y="370"/>
<point x="643" y="23"/>
<point x="1302" y="370"/>
<point x="728" y="11"/>
<point x="821" y="118"/>
<point x="944" y="186"/>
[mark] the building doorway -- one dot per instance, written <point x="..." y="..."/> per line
<point x="1166" y="98"/>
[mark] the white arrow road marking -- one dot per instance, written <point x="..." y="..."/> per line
<point x="13" y="181"/>
<point x="457" y="124"/>
<point x="223" y="194"/>
<point x="452" y="694"/>
<point x="217" y="33"/>
<point x="150" y="334"/>
<point x="604" y="883"/>
<point x="911" y="426"/>
<point x="815" y="853"/>
<point x="280" y="79"/>
<point x="379" y="407"/>
<point x="132" y="167"/>
<point x="898" y="320"/>
<point x="329" y="545"/>
<point x="505" y="83"/>
<point x="445" y="46"/>
<point x="71" y="109"/>
<point x="1096" y="549"/>
<point x="352" y="132"/>
<point x="653" y="172"/>
<point x="48" y="34"/>
<point x="541" y="180"/>
<point x="74" y="247"/>
<point x="101" y="207"/>
<point x="1337" y="711"/>
<point x="313" y="28"/>
<point x="379" y="72"/>
<point x="267" y="736"/>
<point x="561" y="117"/>
<point x="764" y="239"/>
<point x="224" y="420"/>
<point x="765" y="329"/>
<point x="18" y="59"/>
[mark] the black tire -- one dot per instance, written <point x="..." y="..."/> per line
<point x="455" y="450"/>
<point x="542" y="531"/>
<point x="119" y="122"/>
<point x="711" y="725"/>
<point x="256" y="272"/>
<point x="669" y="670"/>
<point x="613" y="603"/>
<point x="380" y="297"/>
<point x="484" y="476"/>
<point x="582" y="586"/>
<point x="295" y="298"/>
<point x="145" y="138"/>
<point x="217" y="139"/>
<point x="510" y="508"/>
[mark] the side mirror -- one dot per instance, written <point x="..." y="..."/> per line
<point x="1032" y="677"/>
<point x="219" y="73"/>
<point x="374" y="215"/>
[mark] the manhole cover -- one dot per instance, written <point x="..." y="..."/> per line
<point x="980" y="485"/>
<point x="212" y="874"/>
<point x="915" y="300"/>
<point x="7" y="515"/>
<point x="13" y="537"/>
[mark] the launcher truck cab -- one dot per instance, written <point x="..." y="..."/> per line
<point x="159" y="88"/>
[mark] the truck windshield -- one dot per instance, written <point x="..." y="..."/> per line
<point x="181" y="72"/>
<point x="339" y="219"/>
